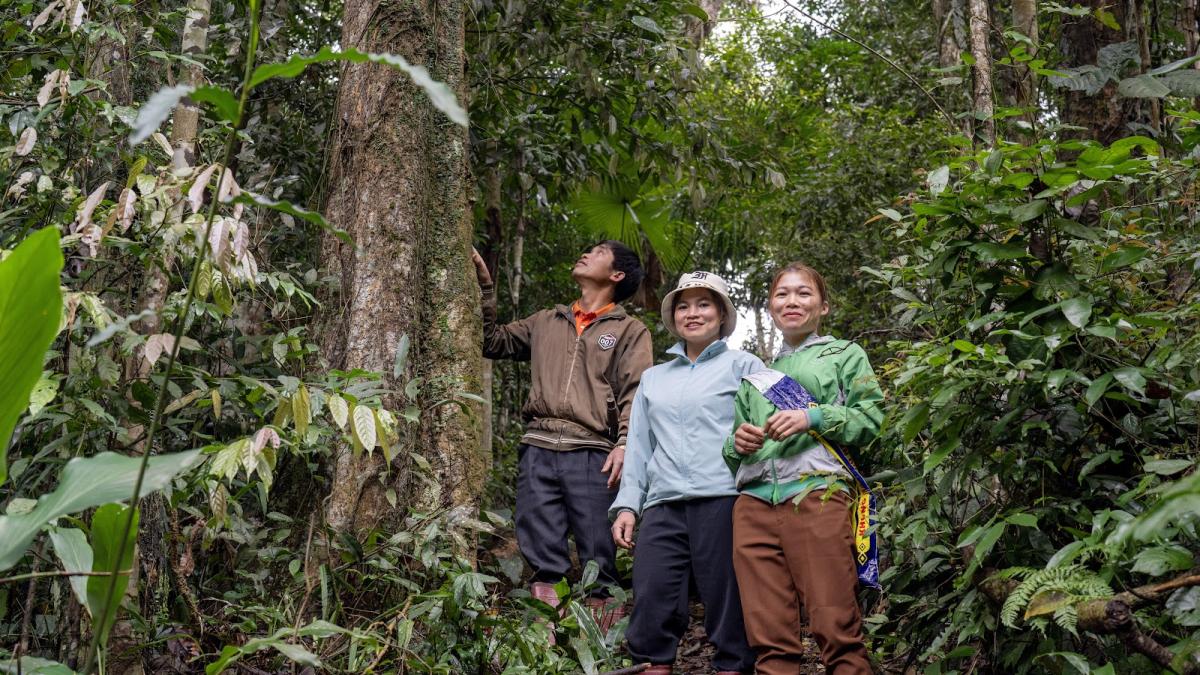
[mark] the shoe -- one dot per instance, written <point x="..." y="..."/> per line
<point x="545" y="592"/>
<point x="607" y="612"/>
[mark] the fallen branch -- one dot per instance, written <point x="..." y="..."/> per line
<point x="1114" y="616"/>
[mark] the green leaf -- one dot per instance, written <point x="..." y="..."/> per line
<point x="30" y="311"/>
<point x="963" y="346"/>
<point x="401" y="356"/>
<point x="111" y="552"/>
<point x="298" y="654"/>
<point x="219" y="98"/>
<point x="938" y="179"/>
<point x="1108" y="19"/>
<point x="440" y="95"/>
<point x="156" y="110"/>
<point x="32" y="665"/>
<point x="696" y="11"/>
<point x="87" y="482"/>
<point x="364" y="426"/>
<point x="914" y="421"/>
<point x="1122" y="257"/>
<point x="1175" y="65"/>
<point x="252" y="199"/>
<point x="1023" y="519"/>
<point x="892" y="214"/>
<point x="1097" y="388"/>
<point x="646" y="23"/>
<point x="1158" y="560"/>
<point x="1132" y="379"/>
<point x="72" y="549"/>
<point x="990" y="252"/>
<point x="1077" y="310"/>
<point x="301" y="410"/>
<point x="1184" y="83"/>
<point x="1143" y="86"/>
<point x="339" y="411"/>
<point x="1167" y="467"/>
<point x="1029" y="210"/>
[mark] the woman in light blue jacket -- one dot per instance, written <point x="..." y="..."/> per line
<point x="676" y="487"/>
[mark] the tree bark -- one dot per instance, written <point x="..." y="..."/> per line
<point x="1024" y="16"/>
<point x="697" y="30"/>
<point x="984" y="107"/>
<point x="399" y="182"/>
<point x="950" y="18"/>
<point x="1104" y="116"/>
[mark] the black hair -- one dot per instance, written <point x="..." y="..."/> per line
<point x="624" y="260"/>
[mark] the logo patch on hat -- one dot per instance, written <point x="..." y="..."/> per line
<point x="607" y="341"/>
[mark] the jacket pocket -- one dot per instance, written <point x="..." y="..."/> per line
<point x="612" y="413"/>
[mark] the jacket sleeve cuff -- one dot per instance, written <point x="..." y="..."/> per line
<point x="620" y="441"/>
<point x="816" y="418"/>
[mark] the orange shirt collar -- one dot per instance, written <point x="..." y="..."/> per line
<point x="584" y="319"/>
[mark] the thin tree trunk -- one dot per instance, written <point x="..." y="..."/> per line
<point x="399" y="183"/>
<point x="1024" y="15"/>
<point x="517" y="272"/>
<point x="1141" y="33"/>
<point x="982" y="71"/>
<point x="951" y="19"/>
<point x="154" y="541"/>
<point x="1187" y="24"/>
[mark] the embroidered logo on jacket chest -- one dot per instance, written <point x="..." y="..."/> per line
<point x="607" y="341"/>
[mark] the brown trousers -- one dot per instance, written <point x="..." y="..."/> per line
<point x="786" y="556"/>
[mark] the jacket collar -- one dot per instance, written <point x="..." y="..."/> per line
<point x="717" y="347"/>
<point x="810" y="341"/>
<point x="617" y="312"/>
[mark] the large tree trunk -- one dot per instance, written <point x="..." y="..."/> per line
<point x="1104" y="115"/>
<point x="399" y="181"/>
<point x="982" y="71"/>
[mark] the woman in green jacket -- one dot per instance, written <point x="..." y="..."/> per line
<point x="793" y="536"/>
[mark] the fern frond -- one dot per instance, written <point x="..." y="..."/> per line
<point x="1053" y="591"/>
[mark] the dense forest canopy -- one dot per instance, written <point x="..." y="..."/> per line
<point x="245" y="423"/>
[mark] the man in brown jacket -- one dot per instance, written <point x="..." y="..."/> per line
<point x="586" y="362"/>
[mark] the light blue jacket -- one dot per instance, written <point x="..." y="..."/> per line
<point x="681" y="416"/>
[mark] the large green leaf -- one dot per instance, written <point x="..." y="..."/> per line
<point x="440" y="95"/>
<point x="32" y="665"/>
<point x="71" y="546"/>
<point x="112" y="552"/>
<point x="30" y="310"/>
<point x="88" y="482"/>
<point x="626" y="211"/>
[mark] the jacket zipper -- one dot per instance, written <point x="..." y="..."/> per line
<point x="571" y="371"/>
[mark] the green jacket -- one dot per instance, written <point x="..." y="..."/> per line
<point x="838" y="374"/>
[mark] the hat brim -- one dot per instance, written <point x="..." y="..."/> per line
<point x="668" y="311"/>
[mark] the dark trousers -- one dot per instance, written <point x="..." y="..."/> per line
<point x="679" y="542"/>
<point x="560" y="492"/>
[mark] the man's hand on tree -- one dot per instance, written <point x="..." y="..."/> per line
<point x="481" y="270"/>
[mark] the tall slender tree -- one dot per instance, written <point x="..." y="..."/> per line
<point x="982" y="71"/>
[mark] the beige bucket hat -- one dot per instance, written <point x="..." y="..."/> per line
<point x="700" y="280"/>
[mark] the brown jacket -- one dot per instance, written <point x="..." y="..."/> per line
<point x="583" y="386"/>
